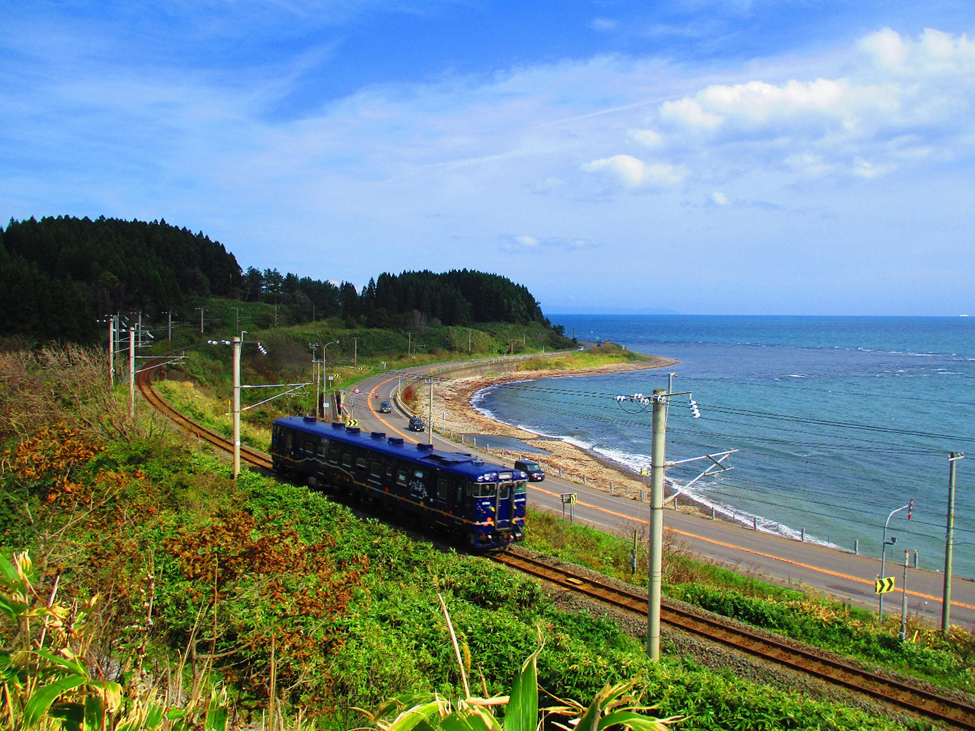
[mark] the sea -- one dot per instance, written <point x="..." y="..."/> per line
<point x="837" y="422"/>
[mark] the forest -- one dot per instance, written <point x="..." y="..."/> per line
<point x="60" y="275"/>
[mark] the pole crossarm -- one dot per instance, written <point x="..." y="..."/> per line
<point x="178" y="359"/>
<point x="297" y="387"/>
<point x="712" y="469"/>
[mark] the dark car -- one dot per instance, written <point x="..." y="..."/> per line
<point x="416" y="424"/>
<point x="534" y="470"/>
<point x="385" y="408"/>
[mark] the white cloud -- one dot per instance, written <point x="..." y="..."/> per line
<point x="634" y="172"/>
<point x="604" y="24"/>
<point x="646" y="137"/>
<point x="720" y="199"/>
<point x="529" y="244"/>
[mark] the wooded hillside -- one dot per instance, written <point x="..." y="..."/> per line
<point x="58" y="276"/>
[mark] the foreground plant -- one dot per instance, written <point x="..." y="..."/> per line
<point x="614" y="707"/>
<point x="44" y="670"/>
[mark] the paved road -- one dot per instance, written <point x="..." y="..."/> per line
<point x="844" y="575"/>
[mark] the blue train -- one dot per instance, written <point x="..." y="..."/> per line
<point x="452" y="493"/>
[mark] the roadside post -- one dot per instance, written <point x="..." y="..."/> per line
<point x="569" y="498"/>
<point x="903" y="634"/>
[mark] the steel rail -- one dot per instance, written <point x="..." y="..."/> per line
<point x="831" y="669"/>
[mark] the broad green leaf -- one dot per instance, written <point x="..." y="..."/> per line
<point x="94" y="711"/>
<point x="412" y="718"/>
<point x="71" y="715"/>
<point x="8" y="571"/>
<point x="175" y="713"/>
<point x="42" y="699"/>
<point x="73" y="666"/>
<point x="216" y="720"/>
<point x="632" y="720"/>
<point x="522" y="711"/>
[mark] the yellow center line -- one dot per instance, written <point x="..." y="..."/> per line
<point x="798" y="564"/>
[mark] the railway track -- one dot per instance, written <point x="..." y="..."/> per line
<point x="144" y="383"/>
<point x="830" y="669"/>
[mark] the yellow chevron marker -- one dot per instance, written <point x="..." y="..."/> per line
<point x="884" y="586"/>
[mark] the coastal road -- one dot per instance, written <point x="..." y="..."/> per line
<point x="843" y="575"/>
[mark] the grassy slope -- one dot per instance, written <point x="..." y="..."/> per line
<point x="349" y="605"/>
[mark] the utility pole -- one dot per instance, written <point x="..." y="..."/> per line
<point x="131" y="373"/>
<point x="315" y="377"/>
<point x="409" y="346"/>
<point x="430" y="416"/>
<point x="355" y="352"/>
<point x="236" y="408"/>
<point x="953" y="458"/>
<point x="111" y="351"/>
<point x="201" y="319"/>
<point x="275" y="315"/>
<point x="169" y="337"/>
<point x="469" y="341"/>
<point x="658" y="451"/>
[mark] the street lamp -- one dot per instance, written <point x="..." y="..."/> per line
<point x="325" y="371"/>
<point x="883" y="555"/>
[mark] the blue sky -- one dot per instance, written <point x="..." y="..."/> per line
<point x="704" y="156"/>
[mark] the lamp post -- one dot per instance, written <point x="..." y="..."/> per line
<point x="325" y="370"/>
<point x="883" y="555"/>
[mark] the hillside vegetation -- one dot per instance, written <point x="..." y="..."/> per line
<point x="269" y="603"/>
<point x="59" y="275"/>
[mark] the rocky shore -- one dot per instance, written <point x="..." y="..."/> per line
<point x="453" y="400"/>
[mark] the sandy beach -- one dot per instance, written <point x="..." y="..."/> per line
<point x="573" y="463"/>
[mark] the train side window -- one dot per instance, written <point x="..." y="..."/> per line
<point x="469" y="488"/>
<point x="288" y="441"/>
<point x="487" y="490"/>
<point x="443" y="489"/>
<point x="361" y="463"/>
<point x="460" y="493"/>
<point x="503" y="490"/>
<point x="401" y="478"/>
<point x="322" y="445"/>
<point x="418" y="474"/>
<point x="334" y="454"/>
<point x="520" y="488"/>
<point x="377" y="470"/>
<point x="347" y="460"/>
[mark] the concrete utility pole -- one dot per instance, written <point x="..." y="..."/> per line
<point x="111" y="351"/>
<point x="953" y="458"/>
<point x="201" y="319"/>
<point x="131" y="373"/>
<point x="235" y="343"/>
<point x="355" y="352"/>
<point x="430" y="416"/>
<point x="658" y="451"/>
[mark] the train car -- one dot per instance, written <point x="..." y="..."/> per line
<point x="452" y="493"/>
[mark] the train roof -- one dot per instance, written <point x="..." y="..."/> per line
<point x="470" y="466"/>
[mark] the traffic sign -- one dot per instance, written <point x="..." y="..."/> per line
<point x="885" y="585"/>
<point x="352" y="422"/>
<point x="356" y="390"/>
<point x="569" y="498"/>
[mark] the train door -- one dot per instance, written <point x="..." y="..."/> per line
<point x="504" y="502"/>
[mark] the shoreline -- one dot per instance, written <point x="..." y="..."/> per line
<point x="558" y="457"/>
